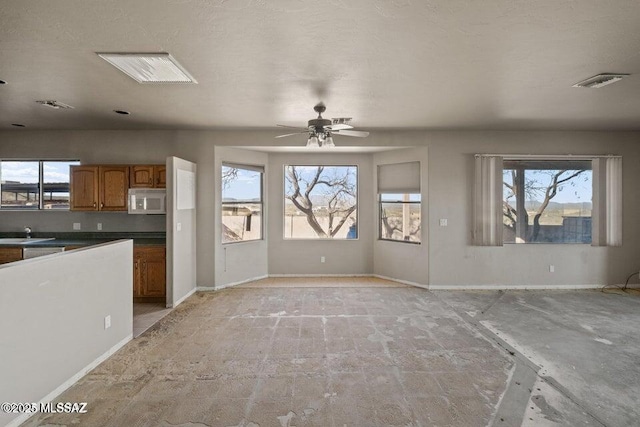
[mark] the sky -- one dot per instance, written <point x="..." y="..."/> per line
<point x="245" y="187"/>
<point x="580" y="191"/>
<point x="307" y="173"/>
<point x="27" y="172"/>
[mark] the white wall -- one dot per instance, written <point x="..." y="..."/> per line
<point x="52" y="312"/>
<point x="451" y="258"/>
<point x="353" y="256"/>
<point x="455" y="262"/>
<point x="398" y="260"/>
<point x="239" y="262"/>
<point x="181" y="230"/>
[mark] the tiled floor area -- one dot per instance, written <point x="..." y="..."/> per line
<point x="271" y="355"/>
<point x="145" y="315"/>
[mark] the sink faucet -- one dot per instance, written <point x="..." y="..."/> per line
<point x="28" y="231"/>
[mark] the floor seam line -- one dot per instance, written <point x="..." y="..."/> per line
<point x="518" y="356"/>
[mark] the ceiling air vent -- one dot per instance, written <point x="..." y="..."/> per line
<point x="600" y="80"/>
<point x="149" y="67"/>
<point x="55" y="104"/>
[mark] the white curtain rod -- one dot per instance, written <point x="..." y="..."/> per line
<point x="549" y="156"/>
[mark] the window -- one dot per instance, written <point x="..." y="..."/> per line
<point x="547" y="201"/>
<point x="35" y="184"/>
<point x="241" y="203"/>
<point x="320" y="202"/>
<point x="400" y="216"/>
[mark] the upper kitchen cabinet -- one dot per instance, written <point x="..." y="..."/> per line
<point x="83" y="184"/>
<point x="160" y="173"/>
<point x="99" y="188"/>
<point x="148" y="176"/>
<point x="114" y="188"/>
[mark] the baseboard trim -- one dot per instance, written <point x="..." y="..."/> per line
<point x="404" y="282"/>
<point x="509" y="287"/>
<point x="321" y="275"/>
<point x="229" y="285"/>
<point x="181" y="300"/>
<point x="71" y="381"/>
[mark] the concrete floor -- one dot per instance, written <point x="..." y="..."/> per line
<point x="369" y="356"/>
<point x="146" y="314"/>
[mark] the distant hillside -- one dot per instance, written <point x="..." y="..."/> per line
<point x="532" y="205"/>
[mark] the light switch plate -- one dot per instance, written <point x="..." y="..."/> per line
<point x="77" y="226"/>
<point x="179" y="226"/>
<point x="443" y="222"/>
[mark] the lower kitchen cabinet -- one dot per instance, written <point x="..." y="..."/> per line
<point x="149" y="273"/>
<point x="10" y="255"/>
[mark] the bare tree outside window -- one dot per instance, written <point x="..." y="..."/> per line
<point x="320" y="202"/>
<point x="547" y="201"/>
<point x="400" y="217"/>
<point x="242" y="204"/>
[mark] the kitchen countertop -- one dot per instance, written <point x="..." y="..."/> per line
<point x="84" y="239"/>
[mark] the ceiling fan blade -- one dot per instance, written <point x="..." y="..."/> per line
<point x="291" y="134"/>
<point x="338" y="126"/>
<point x="291" y="127"/>
<point x="358" y="133"/>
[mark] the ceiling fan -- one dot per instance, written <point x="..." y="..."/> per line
<point x="320" y="129"/>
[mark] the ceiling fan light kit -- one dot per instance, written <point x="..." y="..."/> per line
<point x="321" y="129"/>
<point x="313" y="142"/>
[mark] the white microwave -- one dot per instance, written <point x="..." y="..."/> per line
<point x="147" y="201"/>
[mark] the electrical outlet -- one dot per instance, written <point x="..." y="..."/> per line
<point x="107" y="322"/>
<point x="77" y="226"/>
<point x="99" y="226"/>
<point x="443" y="222"/>
<point x="322" y="259"/>
<point x="552" y="268"/>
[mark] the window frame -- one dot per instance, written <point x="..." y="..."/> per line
<point x="284" y="203"/>
<point x="410" y="202"/>
<point x="40" y="184"/>
<point x="252" y="168"/>
<point x="555" y="164"/>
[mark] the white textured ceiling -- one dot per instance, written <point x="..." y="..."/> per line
<point x="436" y="64"/>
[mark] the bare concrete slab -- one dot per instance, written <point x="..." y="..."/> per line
<point x="330" y="356"/>
<point x="269" y="355"/>
<point x="586" y="345"/>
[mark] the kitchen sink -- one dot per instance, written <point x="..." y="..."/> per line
<point x="21" y="240"/>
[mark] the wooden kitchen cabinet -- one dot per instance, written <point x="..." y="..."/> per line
<point x="99" y="188"/>
<point x="160" y="173"/>
<point x="148" y="176"/>
<point x="10" y="255"/>
<point x="83" y="188"/>
<point x="149" y="273"/>
<point x="114" y="188"/>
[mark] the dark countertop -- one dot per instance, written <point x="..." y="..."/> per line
<point x="85" y="239"/>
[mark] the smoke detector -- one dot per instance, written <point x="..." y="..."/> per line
<point x="600" y="80"/>
<point x="55" y="104"/>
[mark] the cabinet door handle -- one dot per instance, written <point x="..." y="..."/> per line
<point x="135" y="264"/>
<point x="94" y="204"/>
<point x="101" y="205"/>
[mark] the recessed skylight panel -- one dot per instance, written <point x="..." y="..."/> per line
<point x="149" y="67"/>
